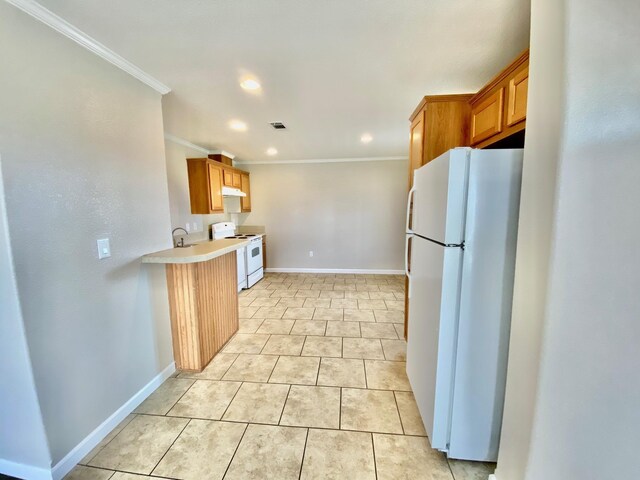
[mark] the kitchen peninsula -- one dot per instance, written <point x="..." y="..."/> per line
<point x="203" y="299"/>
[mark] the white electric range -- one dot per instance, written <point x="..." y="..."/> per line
<point x="250" y="268"/>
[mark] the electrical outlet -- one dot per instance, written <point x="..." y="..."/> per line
<point x="195" y="226"/>
<point x="187" y="227"/>
<point x="311" y="253"/>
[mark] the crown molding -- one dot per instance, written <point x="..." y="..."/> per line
<point x="223" y="152"/>
<point x="60" y="25"/>
<point x="321" y="160"/>
<point x="184" y="143"/>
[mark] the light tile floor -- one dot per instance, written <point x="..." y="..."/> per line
<point x="313" y="386"/>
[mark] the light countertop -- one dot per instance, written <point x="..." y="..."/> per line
<point x="199" y="252"/>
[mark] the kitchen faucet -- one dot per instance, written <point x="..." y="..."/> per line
<point x="179" y="243"/>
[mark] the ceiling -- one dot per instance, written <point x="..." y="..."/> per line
<point x="330" y="70"/>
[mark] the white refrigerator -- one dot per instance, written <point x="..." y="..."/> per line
<point x="462" y="231"/>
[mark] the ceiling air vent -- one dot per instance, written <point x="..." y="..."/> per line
<point x="277" y="125"/>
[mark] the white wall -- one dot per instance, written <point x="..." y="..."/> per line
<point x="586" y="414"/>
<point x="23" y="441"/>
<point x="351" y="215"/>
<point x="83" y="158"/>
<point x="545" y="117"/>
<point x="589" y="393"/>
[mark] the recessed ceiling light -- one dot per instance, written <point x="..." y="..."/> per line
<point x="250" y="84"/>
<point x="366" y="138"/>
<point x="237" y="125"/>
<point x="272" y="151"/>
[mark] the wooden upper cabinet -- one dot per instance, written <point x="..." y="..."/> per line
<point x="416" y="145"/>
<point x="236" y="181"/>
<point x="232" y="177"/>
<point x="486" y="117"/>
<point x="517" y="99"/>
<point x="500" y="109"/>
<point x="215" y="188"/>
<point x="245" y="202"/>
<point x="228" y="177"/>
<point x="439" y="123"/>
<point x="206" y="179"/>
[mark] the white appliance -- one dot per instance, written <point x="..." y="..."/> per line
<point x="462" y="230"/>
<point x="250" y="268"/>
<point x="255" y="270"/>
<point x="232" y="192"/>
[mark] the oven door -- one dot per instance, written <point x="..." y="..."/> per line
<point x="254" y="256"/>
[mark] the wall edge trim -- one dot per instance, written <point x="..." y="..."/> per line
<point x="322" y="160"/>
<point x="336" y="270"/>
<point x="81" y="450"/>
<point x="60" y="25"/>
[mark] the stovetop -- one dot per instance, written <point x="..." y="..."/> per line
<point x="242" y="236"/>
<point x="239" y="236"/>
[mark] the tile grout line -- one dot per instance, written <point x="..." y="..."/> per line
<point x="285" y="383"/>
<point x="235" y="450"/>
<point x="284" y="404"/>
<point x="318" y="371"/>
<point x="373" y="449"/>
<point x="183" y="394"/>
<point x="265" y="343"/>
<point x="304" y="452"/>
<point x="340" y="414"/>
<point x="273" y="369"/>
<point x="172" y="443"/>
<point x="231" y="401"/>
<point x="366" y="382"/>
<point x="245" y="422"/>
<point x="399" y="414"/>
<point x="221" y="379"/>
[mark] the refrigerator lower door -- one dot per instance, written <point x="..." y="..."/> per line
<point x="433" y="324"/>
<point x="485" y="303"/>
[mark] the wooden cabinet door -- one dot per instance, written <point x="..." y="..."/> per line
<point x="486" y="117"/>
<point x="517" y="100"/>
<point x="215" y="188"/>
<point x="236" y="180"/>
<point x="416" y="146"/>
<point x="245" y="202"/>
<point x="228" y="178"/>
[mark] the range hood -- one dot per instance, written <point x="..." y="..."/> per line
<point x="232" y="192"/>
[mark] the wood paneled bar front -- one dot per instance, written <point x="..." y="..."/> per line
<point x="203" y="299"/>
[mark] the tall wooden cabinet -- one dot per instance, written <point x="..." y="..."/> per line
<point x="245" y="186"/>
<point x="439" y="123"/>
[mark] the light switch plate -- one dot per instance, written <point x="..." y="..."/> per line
<point x="104" y="249"/>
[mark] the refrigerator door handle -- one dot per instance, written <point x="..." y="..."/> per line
<point x="409" y="199"/>
<point x="406" y="263"/>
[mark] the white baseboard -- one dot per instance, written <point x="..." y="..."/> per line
<point x="335" y="270"/>
<point x="81" y="450"/>
<point x="20" y="470"/>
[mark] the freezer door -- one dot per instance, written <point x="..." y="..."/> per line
<point x="485" y="303"/>
<point x="439" y="198"/>
<point x="433" y="314"/>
